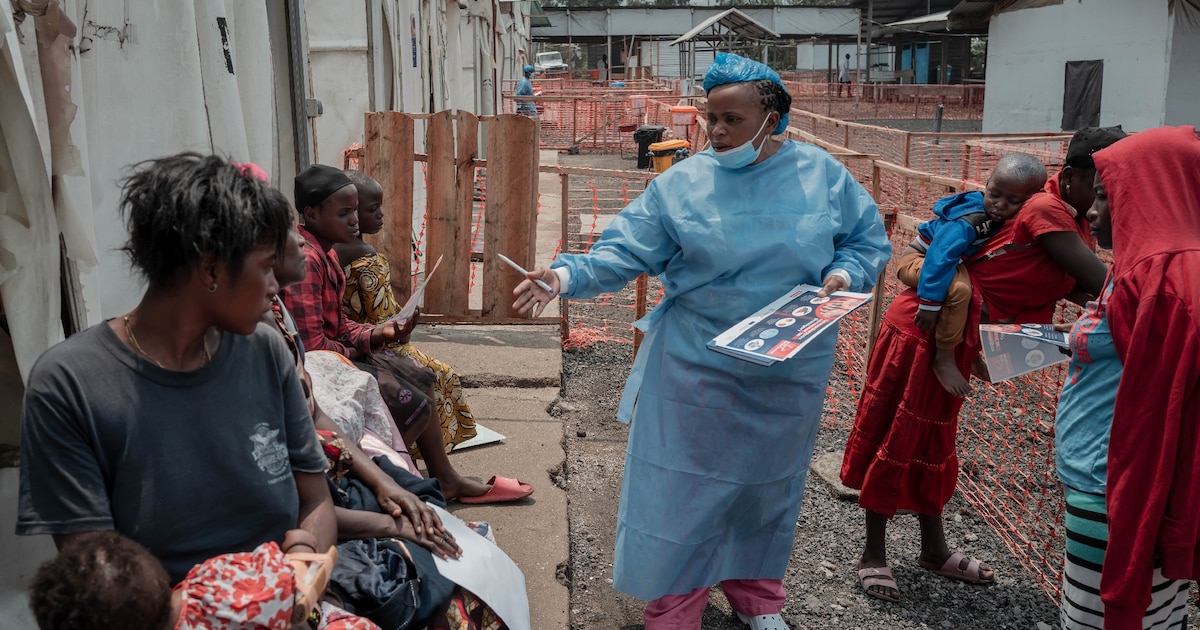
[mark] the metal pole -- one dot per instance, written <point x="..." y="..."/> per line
<point x="564" y="326"/>
<point x="870" y="25"/>
<point x="937" y="121"/>
<point x="858" y="55"/>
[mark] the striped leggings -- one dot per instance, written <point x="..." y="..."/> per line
<point x="1087" y="537"/>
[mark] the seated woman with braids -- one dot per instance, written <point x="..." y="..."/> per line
<point x="369" y="300"/>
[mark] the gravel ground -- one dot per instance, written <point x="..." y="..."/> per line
<point x="821" y="583"/>
<point x="822" y="587"/>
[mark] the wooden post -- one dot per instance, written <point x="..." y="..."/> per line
<point x="574" y="120"/>
<point x="966" y="161"/>
<point x="846" y="136"/>
<point x="564" y="328"/>
<point x="448" y="221"/>
<point x="510" y="216"/>
<point x="639" y="309"/>
<point x="876" y="313"/>
<point x="388" y="157"/>
<point x="907" y="147"/>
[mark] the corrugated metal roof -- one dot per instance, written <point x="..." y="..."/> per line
<point x="733" y="20"/>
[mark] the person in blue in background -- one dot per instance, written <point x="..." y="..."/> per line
<point x="719" y="448"/>
<point x="525" y="88"/>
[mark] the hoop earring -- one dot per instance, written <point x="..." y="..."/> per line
<point x="213" y="288"/>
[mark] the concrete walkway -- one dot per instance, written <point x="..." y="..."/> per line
<point x="512" y="375"/>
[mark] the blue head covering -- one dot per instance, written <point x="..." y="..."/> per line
<point x="731" y="68"/>
<point x="527" y="69"/>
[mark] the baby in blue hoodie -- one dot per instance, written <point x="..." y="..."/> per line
<point x="933" y="263"/>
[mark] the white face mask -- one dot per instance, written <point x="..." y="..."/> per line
<point x="743" y="155"/>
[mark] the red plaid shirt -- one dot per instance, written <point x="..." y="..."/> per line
<point x="316" y="304"/>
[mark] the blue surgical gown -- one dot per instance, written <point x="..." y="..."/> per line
<point x="719" y="448"/>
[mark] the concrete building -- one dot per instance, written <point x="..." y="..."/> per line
<point x="1055" y="65"/>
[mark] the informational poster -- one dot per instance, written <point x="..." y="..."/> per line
<point x="1015" y="349"/>
<point x="779" y="330"/>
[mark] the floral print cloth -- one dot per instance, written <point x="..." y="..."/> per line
<point x="369" y="300"/>
<point x="250" y="590"/>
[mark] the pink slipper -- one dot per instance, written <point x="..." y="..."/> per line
<point x="972" y="574"/>
<point x="503" y="490"/>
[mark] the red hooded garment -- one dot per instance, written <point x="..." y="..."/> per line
<point x="1153" y="497"/>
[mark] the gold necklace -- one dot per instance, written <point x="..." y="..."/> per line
<point x="137" y="346"/>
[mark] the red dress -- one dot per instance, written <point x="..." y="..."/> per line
<point x="901" y="452"/>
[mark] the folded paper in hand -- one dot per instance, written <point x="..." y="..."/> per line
<point x="417" y="299"/>
<point x="1015" y="349"/>
<point x="779" y="330"/>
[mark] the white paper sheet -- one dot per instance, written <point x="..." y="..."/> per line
<point x="487" y="572"/>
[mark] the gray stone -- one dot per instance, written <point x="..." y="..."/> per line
<point x="828" y="467"/>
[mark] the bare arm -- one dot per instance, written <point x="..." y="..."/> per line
<point x="316" y="508"/>
<point x="354" y="524"/>
<point x="394" y="500"/>
<point x="1077" y="259"/>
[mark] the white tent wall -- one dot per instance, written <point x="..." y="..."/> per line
<point x="28" y="259"/>
<point x="339" y="64"/>
<point x="819" y="55"/>
<point x="1183" y="85"/>
<point x="134" y="101"/>
<point x="788" y="21"/>
<point x="142" y="79"/>
<point x="665" y="58"/>
<point x="1028" y="50"/>
<point x="515" y="28"/>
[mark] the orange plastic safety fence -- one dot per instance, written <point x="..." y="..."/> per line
<point x="1006" y="430"/>
<point x="879" y="101"/>
<point x="591" y="205"/>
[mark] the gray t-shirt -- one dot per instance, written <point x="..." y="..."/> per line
<point x="189" y="464"/>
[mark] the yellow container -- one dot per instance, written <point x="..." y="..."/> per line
<point x="662" y="154"/>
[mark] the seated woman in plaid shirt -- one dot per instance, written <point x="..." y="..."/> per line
<point x="328" y="206"/>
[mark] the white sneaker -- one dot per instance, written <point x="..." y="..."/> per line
<point x="764" y="622"/>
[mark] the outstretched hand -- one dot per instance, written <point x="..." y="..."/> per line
<point x="530" y="296"/>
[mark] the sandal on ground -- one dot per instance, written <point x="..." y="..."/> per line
<point x="502" y="490"/>
<point x="764" y="622"/>
<point x="952" y="569"/>
<point x="312" y="573"/>
<point x="880" y="577"/>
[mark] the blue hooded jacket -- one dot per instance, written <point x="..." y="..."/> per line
<point x="960" y="228"/>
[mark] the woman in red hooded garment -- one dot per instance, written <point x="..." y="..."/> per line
<point x="1148" y="196"/>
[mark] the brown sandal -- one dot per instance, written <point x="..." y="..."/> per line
<point x="312" y="571"/>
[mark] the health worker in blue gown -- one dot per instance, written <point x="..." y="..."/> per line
<point x="719" y="448"/>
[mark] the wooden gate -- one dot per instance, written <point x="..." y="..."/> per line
<point x="509" y="216"/>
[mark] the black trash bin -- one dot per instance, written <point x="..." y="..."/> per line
<point x="645" y="136"/>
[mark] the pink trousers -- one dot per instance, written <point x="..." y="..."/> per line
<point x="683" y="612"/>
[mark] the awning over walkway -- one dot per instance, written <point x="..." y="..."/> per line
<point x="733" y="21"/>
<point x="926" y="23"/>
